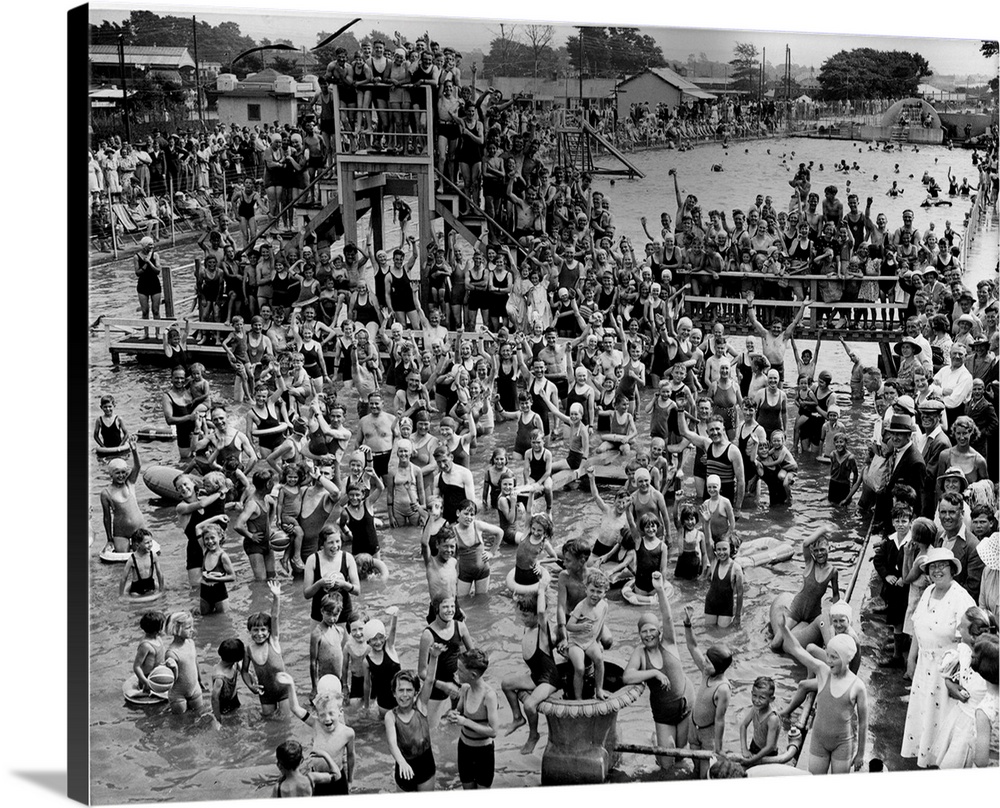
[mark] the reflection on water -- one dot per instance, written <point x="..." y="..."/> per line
<point x="138" y="755"/>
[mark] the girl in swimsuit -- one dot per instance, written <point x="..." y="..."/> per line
<point x="841" y="697"/>
<point x="447" y="634"/>
<point x="289" y="511"/>
<point x="473" y="552"/>
<point x="724" y="599"/>
<point x="217" y="570"/>
<point x="542" y="678"/>
<point x="406" y="488"/>
<point x="264" y="655"/>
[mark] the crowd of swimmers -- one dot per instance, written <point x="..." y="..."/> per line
<point x="574" y="337"/>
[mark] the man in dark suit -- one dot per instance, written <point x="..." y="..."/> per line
<point x="907" y="467"/>
<point x="936" y="442"/>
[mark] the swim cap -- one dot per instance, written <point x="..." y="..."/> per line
<point x="842" y="609"/>
<point x="117" y="464"/>
<point x="146" y="242"/>
<point x="648" y="619"/>
<point x="643" y="474"/>
<point x="403" y="443"/>
<point x="685" y="321"/>
<point x="713" y="479"/>
<point x="720" y="657"/>
<point x="843" y="646"/>
<point x="373" y="628"/>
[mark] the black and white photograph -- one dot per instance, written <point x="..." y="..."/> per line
<point x="483" y="404"/>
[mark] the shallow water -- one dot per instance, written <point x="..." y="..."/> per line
<point x="138" y="755"/>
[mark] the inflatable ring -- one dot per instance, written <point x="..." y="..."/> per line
<point x="114" y="557"/>
<point x="151" y="433"/>
<point x="112" y="451"/>
<point x="139" y="697"/>
<point x="520" y="589"/>
<point x="630" y="597"/>
<point x="143" y="598"/>
<point x="765" y="550"/>
<point x="160" y="480"/>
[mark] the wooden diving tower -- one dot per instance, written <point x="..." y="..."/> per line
<point x="576" y="142"/>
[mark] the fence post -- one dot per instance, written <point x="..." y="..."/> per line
<point x="171" y="209"/>
<point x="111" y="220"/>
<point x="166" y="281"/>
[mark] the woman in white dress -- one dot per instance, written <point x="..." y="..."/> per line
<point x="935" y="622"/>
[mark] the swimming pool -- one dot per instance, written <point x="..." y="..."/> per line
<point x="137" y="755"/>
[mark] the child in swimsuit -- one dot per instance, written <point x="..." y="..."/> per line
<point x="217" y="569"/>
<point x="235" y="346"/>
<point x="141" y="568"/>
<point x="290" y="511"/>
<point x="473" y="553"/>
<point x="294" y="783"/>
<point x="332" y="740"/>
<point x="478" y="725"/>
<point x="538" y="469"/>
<point x="326" y="643"/>
<point x="693" y="558"/>
<point x="182" y="658"/>
<point x="491" y="481"/>
<point x="383" y="661"/>
<point x="150" y="652"/>
<point x="708" y="716"/>
<point x="539" y="539"/>
<point x="264" y="653"/>
<point x="763" y="741"/>
<point x="583" y="630"/>
<point x="819" y="574"/>
<point x="509" y="508"/>
<point x="725" y="586"/>
<point x="225" y="678"/>
<point x="355" y="678"/>
<point x="613" y="524"/>
<point x="109" y="430"/>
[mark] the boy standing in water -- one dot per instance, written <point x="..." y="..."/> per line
<point x="150" y="652"/>
<point x="708" y="718"/>
<point x="583" y="630"/>
<point x="326" y="644"/>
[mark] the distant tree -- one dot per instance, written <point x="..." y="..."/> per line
<point x="389" y="40"/>
<point x="989" y="48"/>
<point x="745" y="66"/>
<point x="612" y="52"/>
<point x="869" y="73"/>
<point x="537" y="38"/>
<point x="285" y="66"/>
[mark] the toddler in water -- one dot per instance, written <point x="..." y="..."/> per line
<point x="830" y="430"/>
<point x="150" y="652"/>
<point x="766" y="724"/>
<point x="583" y="629"/>
<point x="708" y="716"/>
<point x="224" y="679"/>
<point x="264" y="654"/>
<point x="182" y="658"/>
<point x="370" y="567"/>
<point x="142" y="574"/>
<point x="510" y="509"/>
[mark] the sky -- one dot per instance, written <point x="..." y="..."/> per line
<point x="946" y="55"/>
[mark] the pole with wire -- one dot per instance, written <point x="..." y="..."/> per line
<point x="197" y="73"/>
<point x="121" y="70"/>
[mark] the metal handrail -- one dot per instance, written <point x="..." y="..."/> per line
<point x="479" y="211"/>
<point x="277" y="217"/>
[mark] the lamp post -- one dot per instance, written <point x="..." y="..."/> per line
<point x="121" y="69"/>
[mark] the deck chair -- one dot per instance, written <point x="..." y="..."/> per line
<point x="124" y="218"/>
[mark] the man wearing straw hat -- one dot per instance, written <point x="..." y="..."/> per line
<point x="906" y="464"/>
<point x="935" y="442"/>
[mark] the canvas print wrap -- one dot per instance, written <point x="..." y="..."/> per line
<point x="484" y="404"/>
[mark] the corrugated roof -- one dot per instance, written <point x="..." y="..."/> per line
<point x="142" y="55"/>
<point x="675" y="80"/>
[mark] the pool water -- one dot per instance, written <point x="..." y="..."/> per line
<point x="139" y="754"/>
